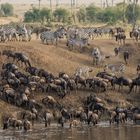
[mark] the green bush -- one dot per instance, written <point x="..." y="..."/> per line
<point x="61" y="15"/>
<point x="45" y="14"/>
<point x="108" y="15"/>
<point x="81" y="15"/>
<point x="28" y="16"/>
<point x="91" y="13"/>
<point x="7" y="9"/>
<point x="32" y="15"/>
<point x="132" y="14"/>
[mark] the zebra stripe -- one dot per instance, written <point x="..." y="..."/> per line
<point x="48" y="36"/>
<point x="120" y="68"/>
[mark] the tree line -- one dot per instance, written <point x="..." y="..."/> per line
<point x="45" y="15"/>
<point x="126" y="13"/>
<point x="129" y="13"/>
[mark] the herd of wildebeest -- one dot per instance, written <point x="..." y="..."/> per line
<point x="20" y="81"/>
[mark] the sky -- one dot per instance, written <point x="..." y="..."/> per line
<point x="54" y="1"/>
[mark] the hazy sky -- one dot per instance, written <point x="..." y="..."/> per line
<point x="54" y="1"/>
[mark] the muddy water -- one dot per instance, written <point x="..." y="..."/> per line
<point x="101" y="132"/>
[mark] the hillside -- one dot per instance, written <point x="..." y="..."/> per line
<point x="7" y="20"/>
<point x="60" y="59"/>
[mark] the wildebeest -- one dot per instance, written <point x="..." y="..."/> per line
<point x="23" y="58"/>
<point x="116" y="50"/>
<point x="135" y="84"/>
<point x="8" y="67"/>
<point x="93" y="118"/>
<point x="15" y="123"/>
<point x="121" y="81"/>
<point x="39" y="30"/>
<point x="9" y="54"/>
<point x="138" y="69"/>
<point x="135" y="34"/>
<point x="126" y="56"/>
<point x="17" y="56"/>
<point x="26" y="125"/>
<point x="120" y="38"/>
<point x="136" y="117"/>
<point x="75" y="123"/>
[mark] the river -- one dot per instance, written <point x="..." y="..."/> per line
<point x="103" y="131"/>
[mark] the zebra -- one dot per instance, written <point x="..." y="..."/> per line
<point x="49" y="36"/>
<point x="24" y="33"/>
<point x="39" y="30"/>
<point x="98" y="57"/>
<point x="8" y="33"/>
<point x="61" y="31"/>
<point x="83" y="72"/>
<point x="115" y="68"/>
<point x="53" y="35"/>
<point x="83" y="33"/>
<point x="78" y="33"/>
<point x="73" y="42"/>
<point x="2" y="36"/>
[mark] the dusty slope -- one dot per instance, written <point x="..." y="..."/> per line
<point x="7" y="20"/>
<point x="57" y="59"/>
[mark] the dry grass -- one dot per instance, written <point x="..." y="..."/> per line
<point x="7" y="20"/>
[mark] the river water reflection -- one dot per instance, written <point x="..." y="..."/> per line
<point x="101" y="132"/>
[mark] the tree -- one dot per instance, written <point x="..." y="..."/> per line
<point x="39" y="1"/>
<point x="61" y="15"/>
<point x="1" y="13"/>
<point x="91" y="13"/>
<point x="32" y="16"/>
<point x="81" y="15"/>
<point x="7" y="9"/>
<point x="107" y="5"/>
<point x="112" y="3"/>
<point x="28" y="16"/>
<point x="36" y="14"/>
<point x="111" y="14"/>
<point x="132" y="16"/>
<point x="57" y="3"/>
<point x="107" y="15"/>
<point x="45" y="14"/>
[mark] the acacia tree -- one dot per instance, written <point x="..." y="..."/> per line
<point x="32" y="16"/>
<point x="7" y="9"/>
<point x="81" y="15"/>
<point x="45" y="14"/>
<point x="39" y="4"/>
<point x="91" y="13"/>
<point x="133" y="12"/>
<point x="61" y="15"/>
